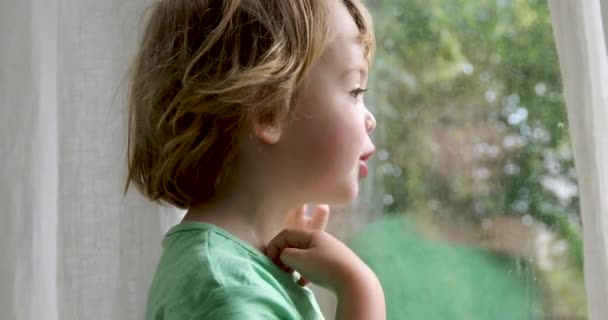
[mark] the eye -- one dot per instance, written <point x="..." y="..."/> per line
<point x="357" y="92"/>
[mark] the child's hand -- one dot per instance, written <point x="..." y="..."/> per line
<point x="297" y="219"/>
<point x="317" y="256"/>
<point x="326" y="261"/>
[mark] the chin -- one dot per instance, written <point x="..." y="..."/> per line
<point x="343" y="191"/>
<point x="347" y="193"/>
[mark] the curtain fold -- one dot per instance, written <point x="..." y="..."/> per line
<point x="72" y="247"/>
<point x="28" y="170"/>
<point x="604" y="5"/>
<point x="581" y="43"/>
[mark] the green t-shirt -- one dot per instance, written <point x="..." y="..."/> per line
<point x="207" y="273"/>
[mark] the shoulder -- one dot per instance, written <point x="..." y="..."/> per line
<point x="208" y="259"/>
<point x="195" y="262"/>
<point x="245" y="302"/>
<point x="212" y="276"/>
<point x="233" y="265"/>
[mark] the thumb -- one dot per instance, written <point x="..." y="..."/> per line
<point x="293" y="257"/>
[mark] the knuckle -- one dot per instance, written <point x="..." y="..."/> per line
<point x="287" y="232"/>
<point x="317" y="233"/>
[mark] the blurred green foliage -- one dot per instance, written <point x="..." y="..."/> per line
<point x="471" y="119"/>
<point x="472" y="122"/>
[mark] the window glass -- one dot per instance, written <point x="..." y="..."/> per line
<point x="472" y="207"/>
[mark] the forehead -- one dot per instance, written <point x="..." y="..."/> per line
<point x="345" y="49"/>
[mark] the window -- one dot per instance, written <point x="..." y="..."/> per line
<point x="473" y="201"/>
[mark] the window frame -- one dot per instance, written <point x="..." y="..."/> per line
<point x="581" y="39"/>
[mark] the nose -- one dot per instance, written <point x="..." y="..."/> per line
<point x="370" y="121"/>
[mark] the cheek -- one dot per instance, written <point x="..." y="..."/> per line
<point x="332" y="142"/>
<point x="320" y="152"/>
<point x="336" y="170"/>
<point x="340" y="146"/>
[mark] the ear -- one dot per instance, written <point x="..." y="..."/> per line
<point x="267" y="129"/>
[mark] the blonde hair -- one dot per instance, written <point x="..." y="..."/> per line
<point x="203" y="70"/>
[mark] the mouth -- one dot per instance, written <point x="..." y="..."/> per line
<point x="363" y="169"/>
<point x="367" y="155"/>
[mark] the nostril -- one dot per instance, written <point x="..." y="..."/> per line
<point x="370" y="124"/>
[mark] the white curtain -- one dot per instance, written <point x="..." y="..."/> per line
<point x="71" y="247"/>
<point x="581" y="39"/>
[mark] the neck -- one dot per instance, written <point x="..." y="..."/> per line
<point x="251" y="212"/>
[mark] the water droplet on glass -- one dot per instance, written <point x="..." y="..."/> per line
<point x="396" y="171"/>
<point x="541" y="134"/>
<point x="520" y="206"/>
<point x="387" y="168"/>
<point x="513" y="99"/>
<point x="520" y="115"/>
<point x="388" y="199"/>
<point x="540" y="89"/>
<point x="560" y="186"/>
<point x="490" y="96"/>
<point x="383" y="155"/>
<point x="493" y="151"/>
<point x="487" y="224"/>
<point x="434" y="204"/>
<point x="481" y="173"/>
<point x="467" y="68"/>
<point x="560" y="247"/>
<point x="512" y="141"/>
<point x="527" y="220"/>
<point x="511" y="169"/>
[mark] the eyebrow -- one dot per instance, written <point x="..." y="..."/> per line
<point x="360" y="69"/>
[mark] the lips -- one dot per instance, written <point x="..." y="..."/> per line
<point x="363" y="169"/>
<point x="366" y="155"/>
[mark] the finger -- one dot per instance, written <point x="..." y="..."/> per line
<point x="292" y="257"/>
<point x="293" y="238"/>
<point x="296" y="218"/>
<point x="307" y="222"/>
<point x="320" y="217"/>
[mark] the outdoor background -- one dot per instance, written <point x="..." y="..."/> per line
<point x="472" y="208"/>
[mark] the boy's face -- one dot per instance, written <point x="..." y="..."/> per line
<point x="322" y="150"/>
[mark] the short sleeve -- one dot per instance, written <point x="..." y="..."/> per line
<point x="246" y="302"/>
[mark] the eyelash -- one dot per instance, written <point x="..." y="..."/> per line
<point x="357" y="92"/>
